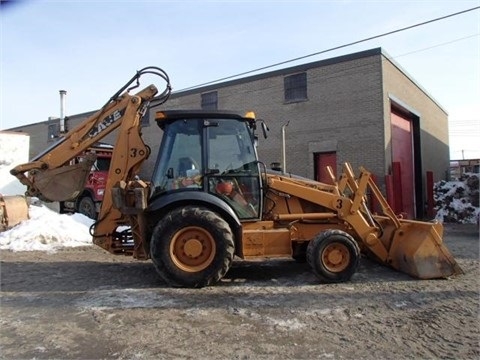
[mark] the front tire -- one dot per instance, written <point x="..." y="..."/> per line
<point x="333" y="256"/>
<point x="192" y="247"/>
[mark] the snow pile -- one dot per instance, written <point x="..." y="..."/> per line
<point x="14" y="148"/>
<point x="458" y="201"/>
<point x="48" y="231"/>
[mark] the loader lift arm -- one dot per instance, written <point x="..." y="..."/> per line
<point x="413" y="247"/>
<point x="50" y="177"/>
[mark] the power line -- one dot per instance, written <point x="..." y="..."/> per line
<point x="435" y="46"/>
<point x="332" y="49"/>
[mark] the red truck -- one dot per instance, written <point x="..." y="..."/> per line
<point x="89" y="200"/>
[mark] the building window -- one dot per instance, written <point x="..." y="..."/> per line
<point x="210" y="101"/>
<point x="295" y="87"/>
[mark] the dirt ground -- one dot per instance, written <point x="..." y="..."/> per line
<point x="87" y="304"/>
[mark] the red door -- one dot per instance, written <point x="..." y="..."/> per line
<point x="322" y="160"/>
<point x="403" y="171"/>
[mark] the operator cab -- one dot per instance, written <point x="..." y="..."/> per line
<point x="210" y="152"/>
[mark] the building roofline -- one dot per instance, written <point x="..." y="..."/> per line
<point x="74" y="116"/>
<point x="411" y="78"/>
<point x="283" y="71"/>
<point x="304" y="67"/>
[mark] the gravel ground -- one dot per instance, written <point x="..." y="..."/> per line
<point x="84" y="303"/>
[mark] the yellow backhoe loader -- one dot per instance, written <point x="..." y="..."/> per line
<point x="210" y="199"/>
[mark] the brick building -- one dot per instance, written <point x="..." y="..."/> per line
<point x="361" y="108"/>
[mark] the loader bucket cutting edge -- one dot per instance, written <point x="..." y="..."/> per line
<point x="417" y="249"/>
<point x="64" y="183"/>
<point x="13" y="210"/>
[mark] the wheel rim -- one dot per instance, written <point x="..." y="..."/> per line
<point x="192" y="249"/>
<point x="336" y="257"/>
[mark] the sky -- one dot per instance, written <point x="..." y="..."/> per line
<point x="91" y="48"/>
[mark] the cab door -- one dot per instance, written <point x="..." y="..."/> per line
<point x="232" y="167"/>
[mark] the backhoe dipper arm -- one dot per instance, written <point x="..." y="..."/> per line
<point x="130" y="152"/>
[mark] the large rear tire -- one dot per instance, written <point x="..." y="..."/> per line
<point x="333" y="256"/>
<point x="192" y="247"/>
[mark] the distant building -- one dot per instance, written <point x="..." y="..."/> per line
<point x="461" y="167"/>
<point x="361" y="108"/>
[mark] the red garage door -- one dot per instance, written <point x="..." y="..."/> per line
<point x="403" y="164"/>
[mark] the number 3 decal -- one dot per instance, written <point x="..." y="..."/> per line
<point x="339" y="203"/>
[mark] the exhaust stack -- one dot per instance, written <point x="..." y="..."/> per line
<point x="62" y="110"/>
<point x="284" y="157"/>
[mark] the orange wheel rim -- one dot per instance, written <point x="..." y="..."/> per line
<point x="336" y="257"/>
<point x="192" y="249"/>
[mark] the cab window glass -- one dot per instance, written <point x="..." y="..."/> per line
<point x="232" y="163"/>
<point x="230" y="147"/>
<point x="180" y="162"/>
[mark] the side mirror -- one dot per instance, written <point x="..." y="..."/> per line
<point x="264" y="127"/>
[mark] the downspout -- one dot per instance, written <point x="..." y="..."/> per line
<point x="284" y="160"/>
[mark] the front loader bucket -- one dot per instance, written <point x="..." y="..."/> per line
<point x="413" y="247"/>
<point x="416" y="248"/>
<point x="13" y="210"/>
<point x="63" y="183"/>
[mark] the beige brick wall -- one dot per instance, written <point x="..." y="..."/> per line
<point x="343" y="113"/>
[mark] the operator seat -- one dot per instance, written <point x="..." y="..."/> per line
<point x="184" y="164"/>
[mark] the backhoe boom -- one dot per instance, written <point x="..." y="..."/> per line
<point x="50" y="177"/>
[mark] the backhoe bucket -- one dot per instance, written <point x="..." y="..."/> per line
<point x="416" y="248"/>
<point x="63" y="183"/>
<point x="13" y="210"/>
